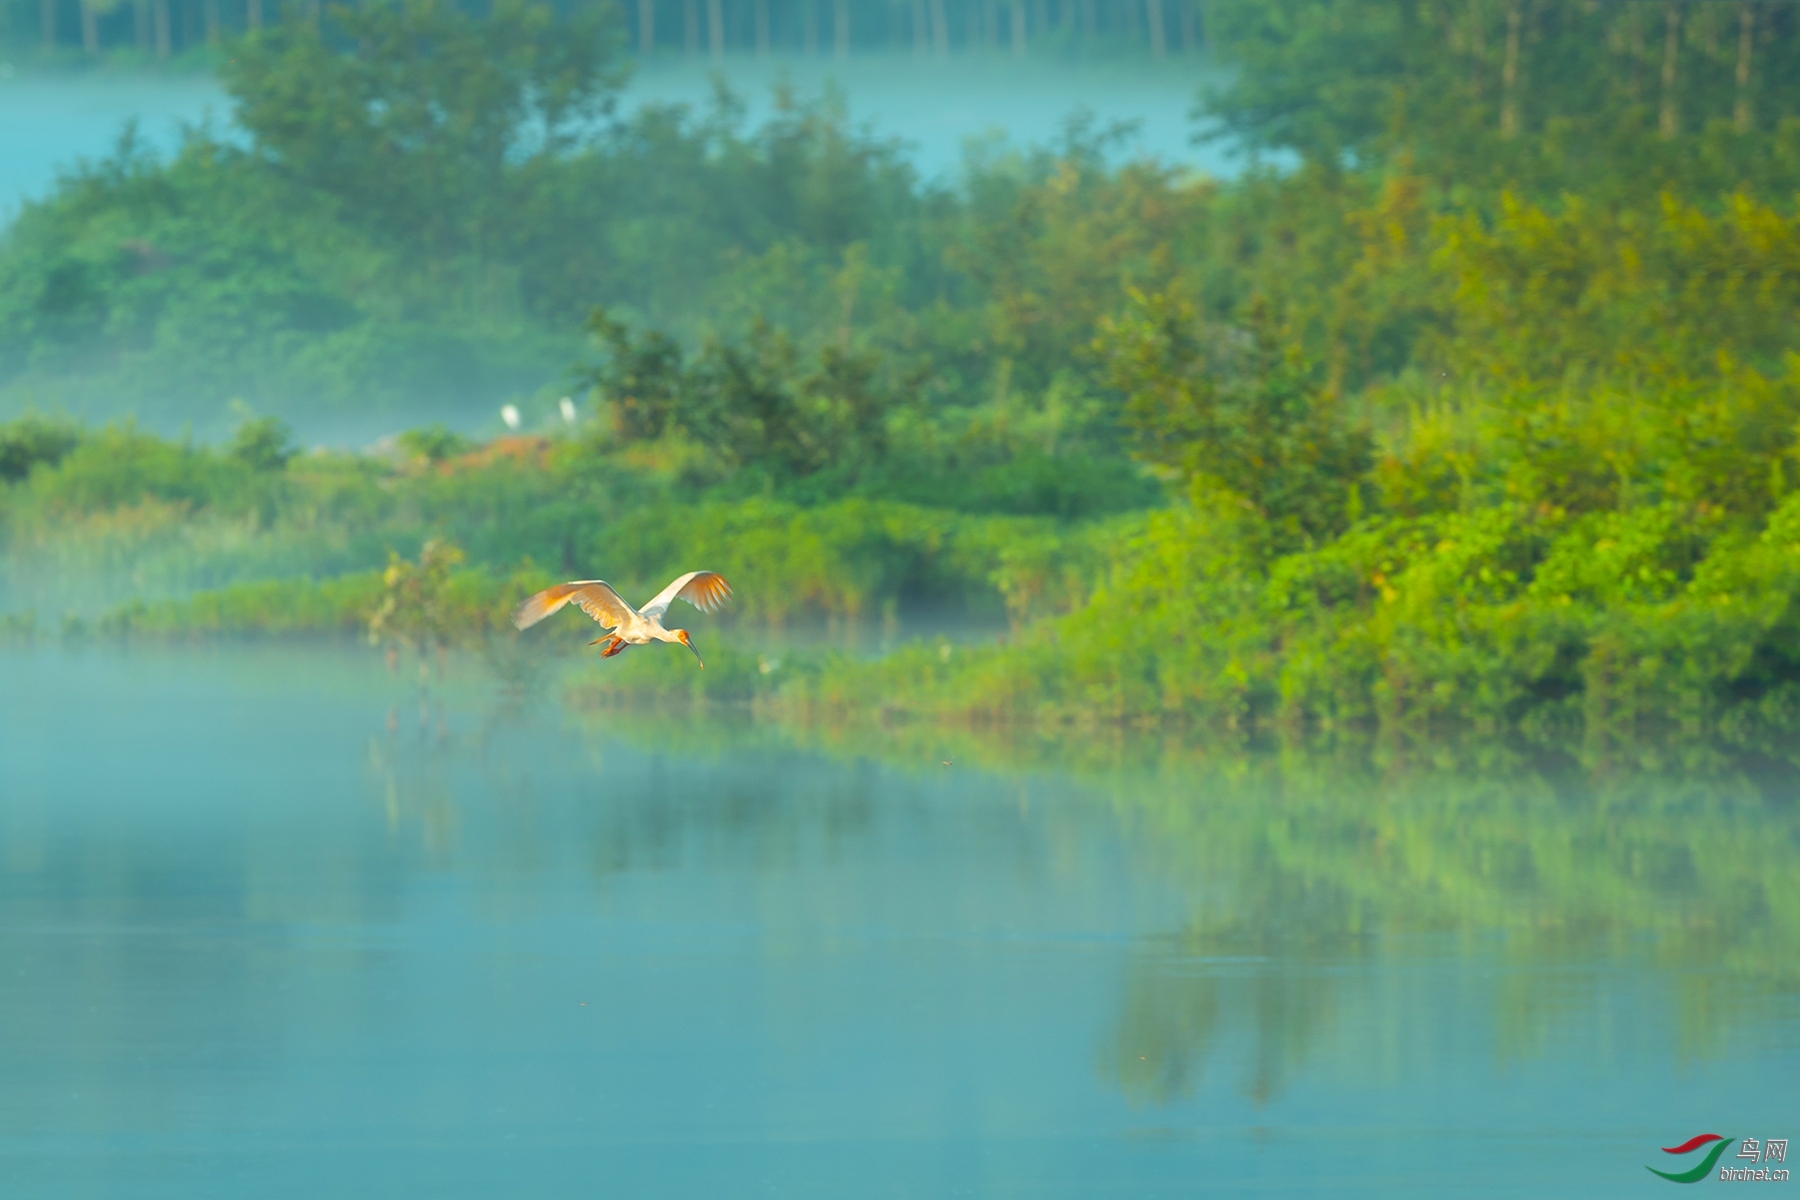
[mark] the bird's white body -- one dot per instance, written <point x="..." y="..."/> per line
<point x="639" y="630"/>
<point x="628" y="626"/>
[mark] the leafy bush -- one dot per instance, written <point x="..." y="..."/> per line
<point x="31" y="441"/>
<point x="1593" y="553"/>
<point x="1237" y="415"/>
<point x="263" y="444"/>
<point x="434" y="443"/>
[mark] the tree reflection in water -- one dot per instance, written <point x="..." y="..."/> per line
<point x="1309" y="870"/>
<point x="1308" y="877"/>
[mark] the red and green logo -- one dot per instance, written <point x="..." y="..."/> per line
<point x="1697" y="1173"/>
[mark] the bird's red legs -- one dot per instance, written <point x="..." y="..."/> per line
<point x="614" y="644"/>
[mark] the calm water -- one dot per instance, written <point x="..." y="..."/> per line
<point x="271" y="925"/>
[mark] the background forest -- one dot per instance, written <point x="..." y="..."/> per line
<point x="1477" y="412"/>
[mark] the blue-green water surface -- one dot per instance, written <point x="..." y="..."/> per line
<point x="274" y="924"/>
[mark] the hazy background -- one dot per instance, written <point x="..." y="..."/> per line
<point x="942" y="90"/>
<point x="50" y="118"/>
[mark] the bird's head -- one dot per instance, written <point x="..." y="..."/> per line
<point x="681" y="635"/>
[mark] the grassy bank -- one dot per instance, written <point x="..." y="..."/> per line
<point x="1445" y="429"/>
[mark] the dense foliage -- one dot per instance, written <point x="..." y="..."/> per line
<point x="1452" y="427"/>
<point x="1612" y="100"/>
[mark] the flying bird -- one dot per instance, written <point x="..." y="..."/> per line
<point x="625" y="625"/>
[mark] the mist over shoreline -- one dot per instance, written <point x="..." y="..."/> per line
<point x="50" y="119"/>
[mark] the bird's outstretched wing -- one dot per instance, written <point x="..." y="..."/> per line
<point x="594" y="597"/>
<point x="705" y="590"/>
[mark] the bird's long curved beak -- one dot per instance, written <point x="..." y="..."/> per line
<point x="688" y="642"/>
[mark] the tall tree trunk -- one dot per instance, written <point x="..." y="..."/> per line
<point x="690" y="26"/>
<point x="1634" y="45"/>
<point x="715" y="27"/>
<point x="940" y="28"/>
<point x="253" y="14"/>
<point x="809" y="27"/>
<point x="921" y="28"/>
<point x="1040" y="18"/>
<point x="1131" y="21"/>
<point x="646" y="26"/>
<point x="90" y="27"/>
<point x="1153" y="11"/>
<point x="140" y="24"/>
<point x="1189" y="35"/>
<point x="759" y="15"/>
<point x="1669" y="122"/>
<point x="840" y="28"/>
<point x="1477" y="48"/>
<point x="163" y="39"/>
<point x="211" y="9"/>
<point x="990" y="23"/>
<point x="1740" y="112"/>
<point x="1018" y="27"/>
<point x="1090" y="19"/>
<point x="1509" y="73"/>
<point x="47" y="19"/>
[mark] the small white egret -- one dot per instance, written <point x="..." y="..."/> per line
<point x="628" y="626"/>
<point x="568" y="410"/>
<point x="510" y="414"/>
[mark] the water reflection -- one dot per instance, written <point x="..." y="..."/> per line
<point x="1551" y="887"/>
<point x="264" y="900"/>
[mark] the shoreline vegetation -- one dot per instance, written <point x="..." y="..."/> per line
<point x="1481" y="421"/>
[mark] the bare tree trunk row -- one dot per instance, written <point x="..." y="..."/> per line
<point x="991" y="23"/>
<point x="1466" y="36"/>
<point x="152" y="24"/>
<point x="1014" y="24"/>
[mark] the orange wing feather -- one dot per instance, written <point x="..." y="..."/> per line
<point x="594" y="597"/>
<point x="705" y="590"/>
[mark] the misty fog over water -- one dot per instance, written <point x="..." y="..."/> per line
<point x="49" y="121"/>
<point x="1258" y="681"/>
